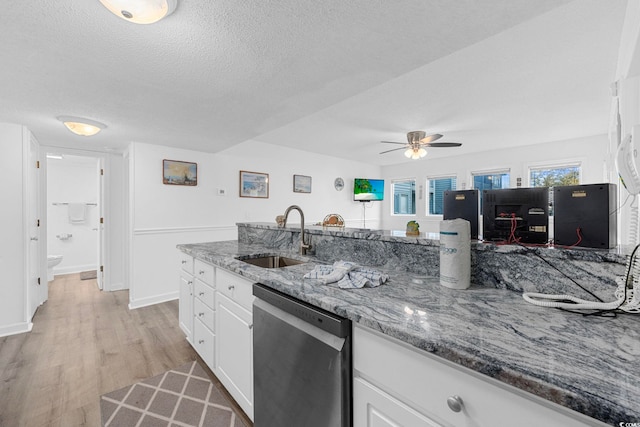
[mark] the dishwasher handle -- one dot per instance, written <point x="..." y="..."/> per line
<point x="322" y="319"/>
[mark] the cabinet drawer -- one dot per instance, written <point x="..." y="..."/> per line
<point x="235" y="287"/>
<point x="186" y="262"/>
<point x="204" y="313"/>
<point x="203" y="271"/>
<point x="203" y="342"/>
<point x="423" y="382"/>
<point x="204" y="293"/>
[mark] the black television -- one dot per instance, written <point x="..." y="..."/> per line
<point x="515" y="215"/>
<point x="368" y="190"/>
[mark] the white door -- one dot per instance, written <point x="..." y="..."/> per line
<point x="36" y="296"/>
<point x="100" y="231"/>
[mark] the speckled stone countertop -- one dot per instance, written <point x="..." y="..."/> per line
<point x="588" y="364"/>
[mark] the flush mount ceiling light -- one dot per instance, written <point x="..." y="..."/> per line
<point x="80" y="126"/>
<point x="140" y="11"/>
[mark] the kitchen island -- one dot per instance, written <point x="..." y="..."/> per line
<point x="585" y="363"/>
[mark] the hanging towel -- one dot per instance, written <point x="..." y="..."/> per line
<point x="77" y="212"/>
<point x="348" y="275"/>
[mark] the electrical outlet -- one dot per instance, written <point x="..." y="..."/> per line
<point x="221" y="192"/>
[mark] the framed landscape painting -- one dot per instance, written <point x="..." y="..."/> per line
<point x="254" y="184"/>
<point x="179" y="173"/>
<point x="301" y="184"/>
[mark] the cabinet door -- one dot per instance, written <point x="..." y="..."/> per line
<point x="374" y="408"/>
<point x="203" y="342"/>
<point x="234" y="344"/>
<point x="185" y="306"/>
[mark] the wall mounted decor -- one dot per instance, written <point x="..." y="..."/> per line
<point x="301" y="184"/>
<point x="254" y="184"/>
<point x="179" y="173"/>
<point x="338" y="184"/>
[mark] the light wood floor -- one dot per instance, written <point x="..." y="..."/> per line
<point x="84" y="343"/>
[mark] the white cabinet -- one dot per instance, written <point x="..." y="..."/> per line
<point x="204" y="331"/>
<point x="234" y="346"/>
<point x="396" y="384"/>
<point x="216" y="314"/>
<point x="185" y="306"/>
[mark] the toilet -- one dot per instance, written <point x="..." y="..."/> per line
<point x="52" y="261"/>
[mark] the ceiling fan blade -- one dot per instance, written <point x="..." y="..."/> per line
<point x="431" y="138"/>
<point x="392" y="142"/>
<point x="444" y="144"/>
<point x="395" y="149"/>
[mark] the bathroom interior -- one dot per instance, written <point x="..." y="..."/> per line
<point x="72" y="215"/>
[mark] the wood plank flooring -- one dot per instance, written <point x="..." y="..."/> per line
<point x="84" y="343"/>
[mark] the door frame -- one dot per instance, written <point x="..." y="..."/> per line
<point x="103" y="229"/>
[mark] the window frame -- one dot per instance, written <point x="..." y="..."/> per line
<point x="428" y="194"/>
<point x="393" y="196"/>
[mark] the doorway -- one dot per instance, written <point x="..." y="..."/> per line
<point x="74" y="220"/>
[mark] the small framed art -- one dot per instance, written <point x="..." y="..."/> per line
<point x="179" y="173"/>
<point x="254" y="184"/>
<point x="301" y="184"/>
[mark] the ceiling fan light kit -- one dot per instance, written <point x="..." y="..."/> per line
<point x="140" y="11"/>
<point x="416" y="141"/>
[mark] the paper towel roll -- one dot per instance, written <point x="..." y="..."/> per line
<point x="455" y="253"/>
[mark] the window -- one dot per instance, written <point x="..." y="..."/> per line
<point x="490" y="181"/>
<point x="554" y="176"/>
<point x="404" y="197"/>
<point x="437" y="187"/>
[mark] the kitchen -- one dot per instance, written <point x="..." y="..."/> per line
<point x="146" y="219"/>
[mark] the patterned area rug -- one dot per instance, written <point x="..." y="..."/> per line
<point x="182" y="397"/>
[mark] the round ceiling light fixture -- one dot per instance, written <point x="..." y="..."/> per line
<point x="140" y="11"/>
<point x="81" y="126"/>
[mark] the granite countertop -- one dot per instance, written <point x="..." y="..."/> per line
<point x="588" y="364"/>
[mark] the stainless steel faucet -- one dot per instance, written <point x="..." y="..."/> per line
<point x="303" y="245"/>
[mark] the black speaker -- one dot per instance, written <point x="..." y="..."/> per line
<point x="585" y="215"/>
<point x="462" y="204"/>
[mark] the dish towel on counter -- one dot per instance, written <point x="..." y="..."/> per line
<point x="348" y="275"/>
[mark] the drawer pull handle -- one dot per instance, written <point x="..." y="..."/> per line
<point x="200" y="314"/>
<point x="201" y="272"/>
<point x="231" y="287"/>
<point x="201" y="342"/>
<point x="184" y="261"/>
<point x="201" y="294"/>
<point x="190" y="282"/>
<point x="455" y="403"/>
<point x="251" y="326"/>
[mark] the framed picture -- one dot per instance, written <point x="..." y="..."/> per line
<point x="254" y="184"/>
<point x="179" y="173"/>
<point x="301" y="184"/>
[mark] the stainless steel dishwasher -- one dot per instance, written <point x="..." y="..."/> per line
<point x="301" y="363"/>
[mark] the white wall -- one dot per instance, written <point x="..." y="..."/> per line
<point x="72" y="179"/>
<point x="590" y="152"/>
<point x="12" y="250"/>
<point x="165" y="215"/>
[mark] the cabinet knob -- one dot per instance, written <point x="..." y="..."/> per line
<point x="200" y="341"/>
<point x="200" y="314"/>
<point x="184" y="261"/>
<point x="231" y="287"/>
<point x="190" y="282"/>
<point x="201" y="294"/>
<point x="251" y="326"/>
<point x="201" y="272"/>
<point x="455" y="403"/>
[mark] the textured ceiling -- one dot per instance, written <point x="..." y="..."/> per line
<point x="330" y="77"/>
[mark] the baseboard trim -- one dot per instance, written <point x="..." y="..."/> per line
<point x="16" y="328"/>
<point x="145" y="302"/>
<point x="116" y="287"/>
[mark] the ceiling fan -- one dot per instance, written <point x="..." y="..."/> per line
<point x="417" y="141"/>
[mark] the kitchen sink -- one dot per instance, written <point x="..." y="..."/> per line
<point x="270" y="261"/>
